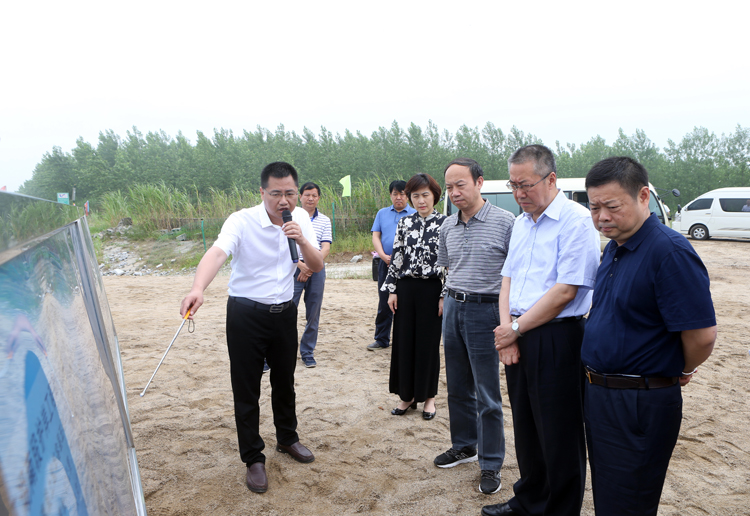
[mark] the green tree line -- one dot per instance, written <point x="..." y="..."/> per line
<point x="701" y="161"/>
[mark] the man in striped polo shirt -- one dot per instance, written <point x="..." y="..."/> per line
<point x="473" y="246"/>
<point x="313" y="283"/>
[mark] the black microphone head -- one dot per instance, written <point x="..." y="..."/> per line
<point x="286" y="216"/>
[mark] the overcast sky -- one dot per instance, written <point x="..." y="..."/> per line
<point x="564" y="71"/>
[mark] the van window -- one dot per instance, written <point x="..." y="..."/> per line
<point x="735" y="205"/>
<point x="581" y="198"/>
<point x="700" y="204"/>
<point x="653" y="206"/>
<point x="505" y="201"/>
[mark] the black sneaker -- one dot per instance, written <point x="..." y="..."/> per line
<point x="490" y="482"/>
<point x="455" y="457"/>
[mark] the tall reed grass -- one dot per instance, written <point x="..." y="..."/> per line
<point x="154" y="207"/>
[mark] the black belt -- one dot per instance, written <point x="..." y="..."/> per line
<point x="274" y="309"/>
<point x="464" y="297"/>
<point x="565" y="319"/>
<point x="618" y="381"/>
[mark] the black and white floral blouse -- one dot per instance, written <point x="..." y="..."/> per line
<point x="415" y="250"/>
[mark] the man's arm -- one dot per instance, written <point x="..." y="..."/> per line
<point x="204" y="275"/>
<point x="379" y="247"/>
<point x="697" y="346"/>
<point x="313" y="258"/>
<point x="547" y="308"/>
<point x="325" y="248"/>
<point x="505" y="344"/>
<point x="304" y="270"/>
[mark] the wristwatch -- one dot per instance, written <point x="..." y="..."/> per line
<point x="515" y="329"/>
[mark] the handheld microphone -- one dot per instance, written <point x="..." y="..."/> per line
<point x="286" y="216"/>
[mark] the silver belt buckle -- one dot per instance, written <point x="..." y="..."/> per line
<point x="277" y="309"/>
<point x="461" y="299"/>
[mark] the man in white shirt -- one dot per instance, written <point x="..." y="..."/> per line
<point x="261" y="316"/>
<point x="313" y="283"/>
<point x="548" y="279"/>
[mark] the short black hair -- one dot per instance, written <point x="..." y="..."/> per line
<point x="419" y="181"/>
<point x="627" y="172"/>
<point x="398" y="185"/>
<point x="473" y="166"/>
<point x="309" y="186"/>
<point x="544" y="160"/>
<point x="279" y="170"/>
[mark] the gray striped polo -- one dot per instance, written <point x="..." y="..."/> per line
<point x="474" y="253"/>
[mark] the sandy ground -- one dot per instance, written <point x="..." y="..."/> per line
<point x="368" y="461"/>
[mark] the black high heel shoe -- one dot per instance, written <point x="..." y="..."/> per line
<point x="429" y="415"/>
<point x="399" y="412"/>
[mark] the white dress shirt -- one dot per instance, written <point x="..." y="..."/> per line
<point x="562" y="246"/>
<point x="262" y="269"/>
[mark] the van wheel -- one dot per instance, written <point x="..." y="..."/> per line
<point x="699" y="232"/>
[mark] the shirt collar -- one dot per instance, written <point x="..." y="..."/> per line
<point x="554" y="209"/>
<point x="648" y="226"/>
<point x="265" y="220"/>
<point x="651" y="223"/>
<point x="481" y="215"/>
<point x="314" y="214"/>
<point x="393" y="208"/>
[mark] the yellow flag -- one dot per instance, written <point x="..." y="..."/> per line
<point x="346" y="182"/>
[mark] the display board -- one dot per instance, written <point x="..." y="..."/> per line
<point x="65" y="441"/>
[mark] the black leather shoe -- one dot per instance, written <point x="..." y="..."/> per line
<point x="256" y="478"/>
<point x="428" y="415"/>
<point x="499" y="509"/>
<point x="297" y="451"/>
<point x="399" y="412"/>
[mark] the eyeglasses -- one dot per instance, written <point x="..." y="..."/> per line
<point x="278" y="195"/>
<point x="525" y="187"/>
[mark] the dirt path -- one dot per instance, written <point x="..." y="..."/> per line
<point x="368" y="461"/>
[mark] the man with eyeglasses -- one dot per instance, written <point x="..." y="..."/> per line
<point x="261" y="316"/>
<point x="548" y="279"/>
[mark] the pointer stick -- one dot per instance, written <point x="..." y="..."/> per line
<point x="167" y="351"/>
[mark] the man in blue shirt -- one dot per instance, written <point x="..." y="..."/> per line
<point x="651" y="324"/>
<point x="383" y="233"/>
<point x="548" y="279"/>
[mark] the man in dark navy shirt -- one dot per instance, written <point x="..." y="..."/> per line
<point x="651" y="324"/>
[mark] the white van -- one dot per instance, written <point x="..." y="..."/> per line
<point x="498" y="193"/>
<point x="724" y="212"/>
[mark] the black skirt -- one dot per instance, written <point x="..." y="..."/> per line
<point x="415" y="349"/>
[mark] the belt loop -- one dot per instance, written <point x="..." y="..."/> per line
<point x="646" y="380"/>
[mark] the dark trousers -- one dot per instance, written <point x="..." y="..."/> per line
<point x="385" y="317"/>
<point x="252" y="335"/>
<point x="545" y="397"/>
<point x="631" y="434"/>
<point x="417" y="327"/>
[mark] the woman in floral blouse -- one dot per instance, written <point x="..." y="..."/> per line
<point x="414" y="283"/>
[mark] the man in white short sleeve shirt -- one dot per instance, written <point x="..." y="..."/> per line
<point x="261" y="317"/>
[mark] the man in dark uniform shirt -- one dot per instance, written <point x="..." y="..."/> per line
<point x="651" y="324"/>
